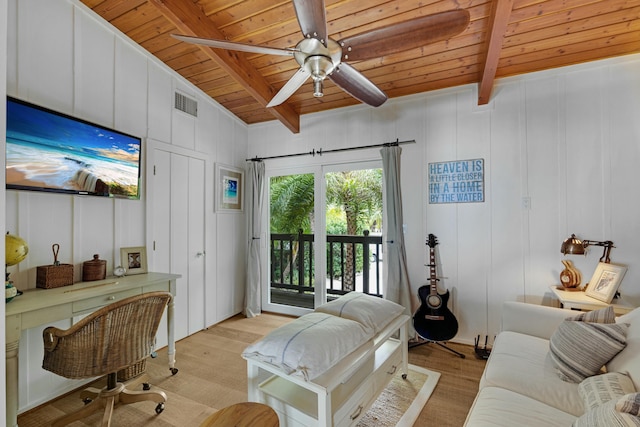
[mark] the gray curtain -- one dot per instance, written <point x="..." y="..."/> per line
<point x="397" y="286"/>
<point x="252" y="299"/>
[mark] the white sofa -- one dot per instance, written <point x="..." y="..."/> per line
<point x="520" y="385"/>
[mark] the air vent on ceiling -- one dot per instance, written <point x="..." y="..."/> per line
<point x="186" y="104"/>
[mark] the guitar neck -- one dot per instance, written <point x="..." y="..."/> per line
<point x="433" y="279"/>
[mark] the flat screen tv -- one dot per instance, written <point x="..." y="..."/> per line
<point x="54" y="152"/>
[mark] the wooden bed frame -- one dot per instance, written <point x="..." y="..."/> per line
<point x="341" y="395"/>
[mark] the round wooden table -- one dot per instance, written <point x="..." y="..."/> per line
<point x="246" y="414"/>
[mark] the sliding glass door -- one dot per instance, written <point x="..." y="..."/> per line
<point x="324" y="235"/>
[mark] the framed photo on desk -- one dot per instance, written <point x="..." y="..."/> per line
<point x="134" y="259"/>
<point x="605" y="281"/>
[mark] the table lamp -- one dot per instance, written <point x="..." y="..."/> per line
<point x="575" y="246"/>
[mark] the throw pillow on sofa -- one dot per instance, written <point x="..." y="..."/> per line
<point x="604" y="315"/>
<point x="600" y="389"/>
<point x="580" y="347"/>
<point x="620" y="413"/>
<point x="629" y="404"/>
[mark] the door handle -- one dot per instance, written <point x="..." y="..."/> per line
<point x="200" y="254"/>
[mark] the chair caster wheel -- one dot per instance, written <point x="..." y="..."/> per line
<point x="86" y="400"/>
<point x="159" y="408"/>
<point x="173" y="371"/>
<point x="404" y="376"/>
<point x="146" y="386"/>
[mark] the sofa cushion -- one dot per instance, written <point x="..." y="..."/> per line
<point x="580" y="349"/>
<point x="499" y="407"/>
<point x="600" y="389"/>
<point x="521" y="363"/>
<point x="627" y="360"/>
<point x="619" y="413"/>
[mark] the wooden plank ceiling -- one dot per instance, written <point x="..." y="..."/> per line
<point x="503" y="38"/>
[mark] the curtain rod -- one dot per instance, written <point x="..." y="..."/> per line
<point x="320" y="152"/>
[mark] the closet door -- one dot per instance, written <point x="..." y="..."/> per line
<point x="196" y="245"/>
<point x="178" y="229"/>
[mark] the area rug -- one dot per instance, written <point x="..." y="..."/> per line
<point x="402" y="400"/>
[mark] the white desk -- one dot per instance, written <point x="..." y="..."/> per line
<point x="578" y="300"/>
<point x="37" y="307"/>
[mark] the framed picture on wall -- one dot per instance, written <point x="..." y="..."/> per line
<point x="134" y="260"/>
<point x="605" y="281"/>
<point x="229" y="188"/>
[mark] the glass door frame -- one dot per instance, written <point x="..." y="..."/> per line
<point x="320" y="232"/>
<point x="267" y="305"/>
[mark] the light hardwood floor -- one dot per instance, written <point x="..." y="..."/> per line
<point x="212" y="375"/>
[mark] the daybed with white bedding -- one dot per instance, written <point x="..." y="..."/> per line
<point x="327" y="367"/>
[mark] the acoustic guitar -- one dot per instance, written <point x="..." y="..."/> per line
<point x="433" y="321"/>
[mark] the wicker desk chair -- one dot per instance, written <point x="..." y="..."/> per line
<point x="108" y="340"/>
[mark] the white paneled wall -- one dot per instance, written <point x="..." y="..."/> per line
<point x="60" y="55"/>
<point x="564" y="142"/>
<point x="3" y="118"/>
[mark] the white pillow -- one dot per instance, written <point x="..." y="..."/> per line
<point x="619" y="413"/>
<point x="309" y="345"/>
<point x="600" y="389"/>
<point x="373" y="312"/>
<point x="627" y="360"/>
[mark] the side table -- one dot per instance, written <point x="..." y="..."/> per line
<point x="246" y="414"/>
<point x="578" y="300"/>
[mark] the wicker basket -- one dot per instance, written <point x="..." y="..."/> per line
<point x="54" y="276"/>
<point x="132" y="371"/>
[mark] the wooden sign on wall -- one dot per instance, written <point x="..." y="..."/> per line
<point x="458" y="181"/>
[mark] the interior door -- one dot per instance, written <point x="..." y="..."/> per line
<point x="176" y="181"/>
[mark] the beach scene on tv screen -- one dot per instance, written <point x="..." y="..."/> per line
<point x="53" y="152"/>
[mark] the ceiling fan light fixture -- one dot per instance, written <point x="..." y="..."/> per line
<point x="317" y="88"/>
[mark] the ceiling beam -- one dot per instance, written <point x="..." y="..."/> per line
<point x="500" y="14"/>
<point x="190" y="20"/>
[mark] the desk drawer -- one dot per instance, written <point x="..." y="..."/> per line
<point x="102" y="300"/>
<point x="162" y="287"/>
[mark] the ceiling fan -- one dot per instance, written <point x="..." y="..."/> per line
<point x="320" y="57"/>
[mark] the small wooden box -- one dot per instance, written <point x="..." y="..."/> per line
<point x="54" y="276"/>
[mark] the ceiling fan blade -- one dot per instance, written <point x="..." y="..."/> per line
<point x="243" y="47"/>
<point x="290" y="87"/>
<point x="357" y="85"/>
<point x="404" y="35"/>
<point x="312" y="19"/>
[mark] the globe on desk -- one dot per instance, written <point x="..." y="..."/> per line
<point x="15" y="249"/>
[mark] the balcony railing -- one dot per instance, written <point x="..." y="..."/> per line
<point x="353" y="263"/>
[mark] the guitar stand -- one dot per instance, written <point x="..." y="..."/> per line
<point x="419" y="343"/>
